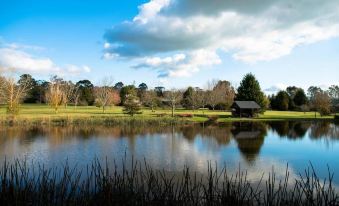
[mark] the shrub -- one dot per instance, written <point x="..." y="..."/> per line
<point x="185" y="115"/>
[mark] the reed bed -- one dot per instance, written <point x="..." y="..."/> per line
<point x="136" y="183"/>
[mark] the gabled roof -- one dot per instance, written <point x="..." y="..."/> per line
<point x="246" y="105"/>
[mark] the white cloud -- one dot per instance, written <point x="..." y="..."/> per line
<point x="24" y="62"/>
<point x="74" y="69"/>
<point x="180" y="65"/>
<point x="150" y="10"/>
<point x="14" y="57"/>
<point x="250" y="31"/>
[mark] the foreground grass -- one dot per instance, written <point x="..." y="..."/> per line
<point x="142" y="185"/>
<point x="43" y="114"/>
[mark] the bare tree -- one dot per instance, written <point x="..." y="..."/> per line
<point x="219" y="92"/>
<point x="321" y="102"/>
<point x="173" y="97"/>
<point x="105" y="93"/>
<point x="70" y="93"/>
<point x="212" y="95"/>
<point x="198" y="98"/>
<point x="151" y="99"/>
<point x="13" y="93"/>
<point x="225" y="93"/>
<point x="54" y="94"/>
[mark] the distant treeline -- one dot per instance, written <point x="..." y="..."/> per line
<point x="218" y="95"/>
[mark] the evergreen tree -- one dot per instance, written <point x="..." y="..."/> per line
<point x="249" y="90"/>
<point x="132" y="105"/>
<point x="126" y="91"/>
<point x="187" y="101"/>
<point x="282" y="101"/>
<point x="300" y="97"/>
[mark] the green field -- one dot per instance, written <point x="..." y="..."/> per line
<point x="43" y="113"/>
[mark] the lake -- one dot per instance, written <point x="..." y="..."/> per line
<point x="257" y="147"/>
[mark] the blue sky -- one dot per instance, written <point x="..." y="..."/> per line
<point x="173" y="43"/>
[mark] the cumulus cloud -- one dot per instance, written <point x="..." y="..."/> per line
<point x="74" y="69"/>
<point x="14" y="56"/>
<point x="180" y="64"/>
<point x="248" y="30"/>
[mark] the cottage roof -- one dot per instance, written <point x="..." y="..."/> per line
<point x="246" y="105"/>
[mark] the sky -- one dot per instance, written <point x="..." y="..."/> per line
<point x="174" y="43"/>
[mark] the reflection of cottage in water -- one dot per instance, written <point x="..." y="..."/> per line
<point x="250" y="138"/>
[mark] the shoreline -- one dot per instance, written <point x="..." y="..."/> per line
<point x="8" y="120"/>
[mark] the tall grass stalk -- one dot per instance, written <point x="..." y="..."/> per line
<point x="136" y="183"/>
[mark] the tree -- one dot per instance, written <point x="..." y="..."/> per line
<point x="151" y="99"/>
<point x="213" y="98"/>
<point x="249" y="90"/>
<point x="127" y="91"/>
<point x="41" y="87"/>
<point x="70" y="93"/>
<point x="160" y="91"/>
<point x="54" y="95"/>
<point x="86" y="93"/>
<point x="300" y="97"/>
<point x="13" y="94"/>
<point x="291" y="91"/>
<point x="321" y="102"/>
<point x="132" y="105"/>
<point x="333" y="91"/>
<point x="142" y="89"/>
<point x="173" y="97"/>
<point x="198" y="98"/>
<point x="33" y="93"/>
<point x="105" y="94"/>
<point x="281" y="101"/>
<point x="225" y="92"/>
<point x="187" y="99"/>
<point x="312" y="91"/>
<point x="118" y="86"/>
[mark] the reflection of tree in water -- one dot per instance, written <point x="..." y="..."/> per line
<point x="324" y="129"/>
<point x="290" y="129"/>
<point x="250" y="138"/>
<point x="220" y="132"/>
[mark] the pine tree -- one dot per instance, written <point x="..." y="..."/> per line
<point x="249" y="90"/>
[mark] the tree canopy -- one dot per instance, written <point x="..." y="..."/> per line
<point x="249" y="90"/>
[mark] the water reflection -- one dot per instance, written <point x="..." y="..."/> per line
<point x="249" y="136"/>
<point x="255" y="145"/>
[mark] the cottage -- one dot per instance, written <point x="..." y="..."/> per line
<point x="245" y="108"/>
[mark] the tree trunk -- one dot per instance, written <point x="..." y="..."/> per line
<point x="173" y="108"/>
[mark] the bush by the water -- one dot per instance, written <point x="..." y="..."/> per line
<point x="142" y="185"/>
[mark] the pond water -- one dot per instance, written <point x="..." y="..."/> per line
<point x="257" y="147"/>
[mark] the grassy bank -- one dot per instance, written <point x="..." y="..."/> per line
<point x="43" y="114"/>
<point x="138" y="184"/>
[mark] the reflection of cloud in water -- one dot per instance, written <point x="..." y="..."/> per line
<point x="164" y="147"/>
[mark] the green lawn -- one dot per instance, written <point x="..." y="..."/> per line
<point x="34" y="112"/>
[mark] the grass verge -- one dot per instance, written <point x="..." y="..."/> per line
<point x="43" y="114"/>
